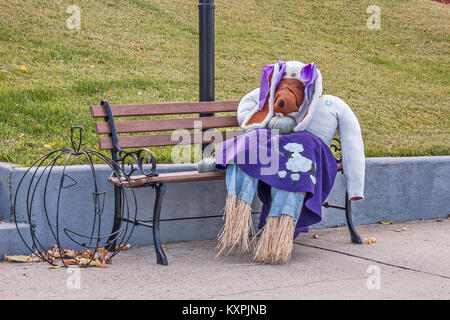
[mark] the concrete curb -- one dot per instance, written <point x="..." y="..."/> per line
<point x="398" y="189"/>
<point x="5" y="189"/>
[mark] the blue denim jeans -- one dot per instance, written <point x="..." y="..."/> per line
<point x="240" y="184"/>
<point x="245" y="186"/>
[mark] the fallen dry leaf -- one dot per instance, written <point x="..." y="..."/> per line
<point x="49" y="145"/>
<point x="23" y="68"/>
<point x="104" y="255"/>
<point x="99" y="264"/>
<point x="386" y="222"/>
<point x="123" y="247"/>
<point x="84" y="261"/>
<point x="91" y="263"/>
<point x="315" y="236"/>
<point x="35" y="258"/>
<point x="369" y="240"/>
<point x="70" y="253"/>
<point x="404" y="229"/>
<point x="439" y="220"/>
<point x="18" y="258"/>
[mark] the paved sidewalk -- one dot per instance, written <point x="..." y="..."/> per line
<point x="412" y="264"/>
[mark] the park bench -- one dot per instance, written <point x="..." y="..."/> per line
<point x="147" y="137"/>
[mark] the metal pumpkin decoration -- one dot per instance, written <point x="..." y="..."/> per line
<point x="52" y="201"/>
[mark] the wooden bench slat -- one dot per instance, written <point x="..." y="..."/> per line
<point x="134" y="126"/>
<point x="165" y="108"/>
<point x="173" y="177"/>
<point x="170" y="177"/>
<point x="156" y="140"/>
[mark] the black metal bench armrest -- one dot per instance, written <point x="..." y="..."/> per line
<point x="132" y="161"/>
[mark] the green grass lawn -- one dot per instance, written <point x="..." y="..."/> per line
<point x="396" y="79"/>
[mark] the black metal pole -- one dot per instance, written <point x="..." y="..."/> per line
<point x="206" y="49"/>
<point x="206" y="53"/>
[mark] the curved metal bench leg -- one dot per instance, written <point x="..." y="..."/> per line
<point x="348" y="213"/>
<point x="160" y="256"/>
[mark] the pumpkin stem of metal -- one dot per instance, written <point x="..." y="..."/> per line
<point x="76" y="147"/>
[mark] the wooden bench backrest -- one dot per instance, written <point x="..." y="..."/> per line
<point x="166" y="124"/>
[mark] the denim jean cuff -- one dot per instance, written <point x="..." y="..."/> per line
<point x="246" y="196"/>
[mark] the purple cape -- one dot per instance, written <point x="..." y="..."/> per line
<point x="297" y="162"/>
